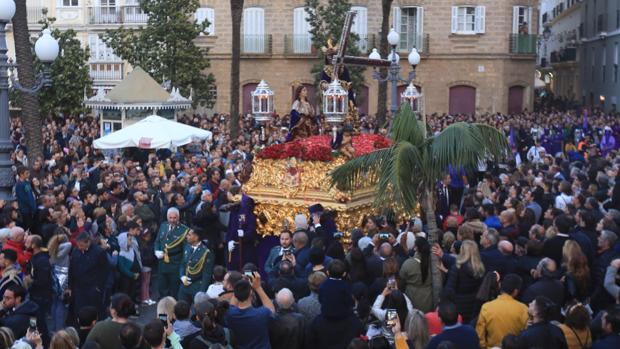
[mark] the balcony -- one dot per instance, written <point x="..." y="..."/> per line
<point x="523" y="44"/>
<point x="298" y="45"/>
<point x="35" y="14"/>
<point x="256" y="44"/>
<point x="106" y="71"/>
<point x="568" y="54"/>
<point x="131" y="14"/>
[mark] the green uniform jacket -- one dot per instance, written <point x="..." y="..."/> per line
<point x="175" y="254"/>
<point x="200" y="278"/>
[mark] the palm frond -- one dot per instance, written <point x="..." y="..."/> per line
<point x="355" y="172"/>
<point x="406" y="175"/>
<point x="464" y="145"/>
<point x="406" y="127"/>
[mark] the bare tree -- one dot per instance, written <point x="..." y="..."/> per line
<point x="386" y="7"/>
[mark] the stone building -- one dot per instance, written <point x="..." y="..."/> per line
<point x="477" y="55"/>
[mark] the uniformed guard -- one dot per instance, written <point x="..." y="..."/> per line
<point x="197" y="266"/>
<point x="169" y="247"/>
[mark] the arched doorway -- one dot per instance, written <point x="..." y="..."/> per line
<point x="247" y="97"/>
<point x="462" y="100"/>
<point x="515" y="99"/>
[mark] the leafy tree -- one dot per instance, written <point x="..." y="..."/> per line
<point x="70" y="73"/>
<point x="165" y="47"/>
<point x="407" y="173"/>
<point x="326" y="21"/>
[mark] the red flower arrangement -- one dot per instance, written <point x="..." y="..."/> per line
<point x="318" y="148"/>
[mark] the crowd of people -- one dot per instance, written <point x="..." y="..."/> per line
<point x="527" y="254"/>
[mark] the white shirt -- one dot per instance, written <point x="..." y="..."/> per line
<point x="534" y="154"/>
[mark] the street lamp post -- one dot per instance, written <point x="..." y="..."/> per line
<point x="262" y="106"/>
<point x="46" y="49"/>
<point x="393" y="75"/>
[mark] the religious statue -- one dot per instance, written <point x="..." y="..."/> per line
<point x="302" y="123"/>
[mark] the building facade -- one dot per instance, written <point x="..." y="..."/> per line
<point x="560" y="37"/>
<point x="600" y="53"/>
<point x="477" y="55"/>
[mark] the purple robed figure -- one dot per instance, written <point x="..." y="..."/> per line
<point x="242" y="222"/>
<point x="608" y="141"/>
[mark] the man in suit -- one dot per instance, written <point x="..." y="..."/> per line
<point x="197" y="267"/>
<point x="25" y="197"/>
<point x="443" y="197"/>
<point x="278" y="253"/>
<point x="169" y="249"/>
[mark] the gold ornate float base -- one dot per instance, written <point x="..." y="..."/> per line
<point x="283" y="188"/>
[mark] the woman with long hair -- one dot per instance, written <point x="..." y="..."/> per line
<point x="576" y="272"/>
<point x="62" y="340"/>
<point x="390" y="274"/>
<point x="465" y="278"/>
<point x="59" y="248"/>
<point x="576" y="327"/>
<point x="302" y="115"/>
<point x="416" y="330"/>
<point x="416" y="275"/>
<point x="107" y="333"/>
<point x="212" y="333"/>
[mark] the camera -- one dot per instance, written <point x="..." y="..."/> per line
<point x="384" y="236"/>
<point x="286" y="251"/>
<point x="391" y="284"/>
<point x="338" y="235"/>
<point x="164" y="319"/>
<point x="33" y="323"/>
<point x="390" y="317"/>
<point x="248" y="273"/>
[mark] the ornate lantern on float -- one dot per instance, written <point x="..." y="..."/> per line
<point x="262" y="105"/>
<point x="335" y="104"/>
<point x="410" y="95"/>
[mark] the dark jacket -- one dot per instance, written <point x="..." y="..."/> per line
<point x="41" y="272"/>
<point x="209" y="220"/>
<point x="296" y="285"/>
<point x="18" y="320"/>
<point x="548" y="287"/>
<point x="463" y="286"/>
<point x="542" y="336"/>
<point x="553" y="248"/>
<point x="600" y="297"/>
<point x="333" y="333"/>
<point x="25" y="198"/>
<point x="287" y="331"/>
<point x="89" y="269"/>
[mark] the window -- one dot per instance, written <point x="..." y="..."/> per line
<point x="409" y="22"/>
<point x="302" y="39"/>
<point x="206" y="14"/>
<point x="254" y="30"/>
<point x="468" y="19"/>
<point x="521" y="20"/>
<point x="68" y="3"/>
<point x="360" y="27"/>
<point x="616" y="53"/>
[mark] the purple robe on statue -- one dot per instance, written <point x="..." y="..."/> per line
<point x="608" y="142"/>
<point x="245" y="247"/>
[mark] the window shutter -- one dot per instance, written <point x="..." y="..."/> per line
<point x="480" y="13"/>
<point x="455" y="19"/>
<point x="529" y="19"/>
<point x="419" y="30"/>
<point x="396" y="19"/>
<point x="515" y="19"/>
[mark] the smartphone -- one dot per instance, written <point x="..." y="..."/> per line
<point x="390" y="317"/>
<point x="391" y="284"/>
<point x="33" y="323"/>
<point x="384" y="236"/>
<point x="248" y="273"/>
<point x="164" y="319"/>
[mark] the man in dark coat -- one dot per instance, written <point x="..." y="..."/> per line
<point x="542" y="333"/>
<point x="546" y="286"/>
<point x="207" y="218"/>
<point x="88" y="272"/>
<point x="39" y="271"/>
<point x="287" y="331"/>
<point x="286" y="279"/>
<point x="601" y="299"/>
<point x="241" y="234"/>
<point x="17" y="311"/>
<point x="25" y="197"/>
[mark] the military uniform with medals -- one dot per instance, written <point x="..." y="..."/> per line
<point x="196" y="270"/>
<point x="171" y="240"/>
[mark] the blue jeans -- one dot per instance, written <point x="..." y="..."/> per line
<point x="59" y="314"/>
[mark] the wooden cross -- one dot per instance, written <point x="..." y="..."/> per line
<point x="340" y="58"/>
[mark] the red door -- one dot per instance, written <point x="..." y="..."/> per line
<point x="247" y="97"/>
<point x="515" y="99"/>
<point x="462" y="100"/>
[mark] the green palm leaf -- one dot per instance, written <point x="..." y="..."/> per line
<point x="356" y="171"/>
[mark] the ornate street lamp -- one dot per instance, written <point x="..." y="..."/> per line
<point x="262" y="105"/>
<point x="335" y="105"/>
<point x="46" y="49"/>
<point x="393" y="75"/>
<point x="410" y="95"/>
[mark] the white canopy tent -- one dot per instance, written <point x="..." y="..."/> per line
<point x="153" y="132"/>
